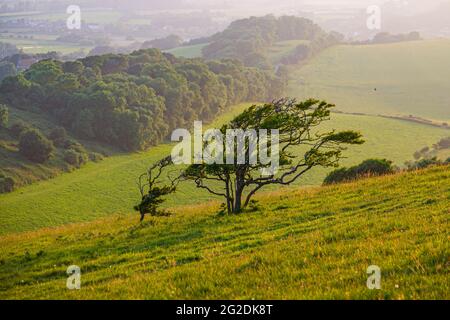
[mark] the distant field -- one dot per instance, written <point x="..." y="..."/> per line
<point x="410" y="78"/>
<point x="108" y="187"/>
<point x="101" y="16"/>
<point x="283" y="48"/>
<point x="41" y="44"/>
<point x="275" y="53"/>
<point x="302" y="244"/>
<point x="188" y="51"/>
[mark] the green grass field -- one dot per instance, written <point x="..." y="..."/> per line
<point x="109" y="187"/>
<point x="305" y="244"/>
<point x="24" y="172"/>
<point x="42" y="44"/>
<point x="100" y="16"/>
<point x="194" y="51"/>
<point x="283" y="48"/>
<point x="410" y="78"/>
<point x="275" y="53"/>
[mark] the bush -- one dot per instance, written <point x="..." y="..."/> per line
<point x="73" y="144"/>
<point x="6" y="184"/>
<point x="371" y="167"/>
<point x="4" y="116"/>
<point x="95" y="157"/>
<point x="35" y="146"/>
<point x="19" y="127"/>
<point x="424" y="163"/>
<point x="75" y="158"/>
<point x="58" y="136"/>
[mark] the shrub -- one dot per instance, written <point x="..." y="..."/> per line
<point x="443" y="144"/>
<point x="95" y="157"/>
<point x="35" y="146"/>
<point x="371" y="167"/>
<point x="73" y="144"/>
<point x="75" y="158"/>
<point x="424" y="163"/>
<point x="58" y="136"/>
<point x="19" y="127"/>
<point x="4" y="115"/>
<point x="6" y="184"/>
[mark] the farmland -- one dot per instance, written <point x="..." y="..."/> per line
<point x="407" y="78"/>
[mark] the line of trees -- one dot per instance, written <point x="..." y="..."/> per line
<point x="308" y="50"/>
<point x="133" y="101"/>
<point x="386" y="37"/>
<point x="249" y="39"/>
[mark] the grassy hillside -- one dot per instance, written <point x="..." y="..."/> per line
<point x="308" y="244"/>
<point x="282" y="49"/>
<point x="194" y="51"/>
<point x="109" y="187"/>
<point x="23" y="171"/>
<point x="275" y="53"/>
<point x="410" y="78"/>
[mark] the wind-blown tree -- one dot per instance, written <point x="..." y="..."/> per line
<point x="299" y="130"/>
<point x="152" y="190"/>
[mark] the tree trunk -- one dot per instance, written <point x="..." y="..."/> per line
<point x="238" y="196"/>
<point x="229" y="198"/>
<point x="238" y="202"/>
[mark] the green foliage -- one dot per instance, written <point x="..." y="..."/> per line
<point x="95" y="157"/>
<point x="298" y="124"/>
<point x="152" y="192"/>
<point x="133" y="101"/>
<point x="167" y="43"/>
<point x="308" y="50"/>
<point x="58" y="136"/>
<point x="152" y="201"/>
<point x="15" y="89"/>
<point x="426" y="163"/>
<point x="6" y="184"/>
<point x="75" y="158"/>
<point x="72" y="195"/>
<point x="368" y="168"/>
<point x="249" y="39"/>
<point x="438" y="151"/>
<point x="35" y="146"/>
<point x="385" y="37"/>
<point x="4" y="116"/>
<point x="19" y="127"/>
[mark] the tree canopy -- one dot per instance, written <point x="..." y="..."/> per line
<point x="299" y="130"/>
<point x="133" y="101"/>
<point x="249" y="39"/>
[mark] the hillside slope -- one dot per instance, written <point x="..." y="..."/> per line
<point x="24" y="171"/>
<point x="315" y="243"/>
<point x="109" y="187"/>
<point x="409" y="78"/>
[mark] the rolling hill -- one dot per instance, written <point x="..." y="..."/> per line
<point x="194" y="51"/>
<point x="304" y="244"/>
<point x="109" y="187"/>
<point x="409" y="78"/>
